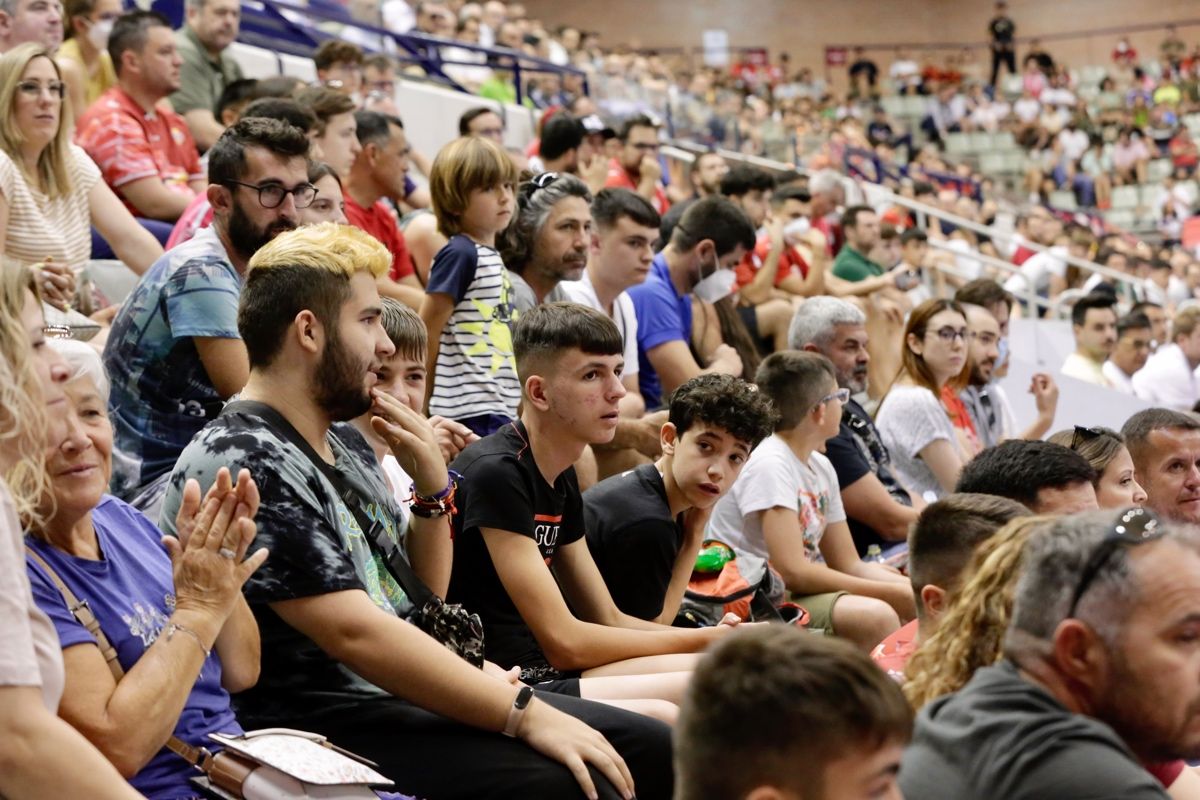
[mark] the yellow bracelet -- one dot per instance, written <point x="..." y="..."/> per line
<point x="174" y="626"/>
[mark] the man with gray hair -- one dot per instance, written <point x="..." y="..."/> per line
<point x="37" y="21"/>
<point x="878" y="509"/>
<point x="1097" y="694"/>
<point x="212" y="25"/>
<point x="1165" y="447"/>
<point x="548" y="241"/>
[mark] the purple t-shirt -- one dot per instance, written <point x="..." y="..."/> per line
<point x="132" y="594"/>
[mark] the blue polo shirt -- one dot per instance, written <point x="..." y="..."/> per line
<point x="663" y="316"/>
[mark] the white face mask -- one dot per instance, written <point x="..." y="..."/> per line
<point x="717" y="286"/>
<point x="99" y="32"/>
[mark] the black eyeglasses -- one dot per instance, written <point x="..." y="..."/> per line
<point x="1135" y="526"/>
<point x="271" y="195"/>
<point x="1083" y="435"/>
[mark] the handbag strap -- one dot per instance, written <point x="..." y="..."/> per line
<point x="196" y="756"/>
<point x="416" y="589"/>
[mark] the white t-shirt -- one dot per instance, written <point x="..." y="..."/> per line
<point x="401" y="485"/>
<point x="1074" y="143"/>
<point x="1036" y="271"/>
<point x="1167" y="380"/>
<point x="1082" y="368"/>
<point x="911" y="418"/>
<point x="1027" y="109"/>
<point x="1117" y="379"/>
<point x="775" y="477"/>
<point x="582" y="292"/>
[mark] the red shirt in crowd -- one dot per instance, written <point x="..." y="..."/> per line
<point x="752" y="262"/>
<point x="892" y="654"/>
<point x="618" y="178"/>
<point x="380" y="222"/>
<point x="129" y="144"/>
<point x="1021" y="255"/>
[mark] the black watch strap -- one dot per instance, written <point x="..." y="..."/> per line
<point x="524" y="698"/>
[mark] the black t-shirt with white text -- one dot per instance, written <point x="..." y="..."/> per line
<point x="502" y="488"/>
<point x="633" y="539"/>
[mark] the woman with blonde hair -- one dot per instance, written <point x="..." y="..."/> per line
<point x="40" y="754"/>
<point x="1116" y="485"/>
<point x="970" y="635"/>
<point x="51" y="192"/>
<point x="921" y="420"/>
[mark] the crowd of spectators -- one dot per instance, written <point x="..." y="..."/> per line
<point x="570" y="389"/>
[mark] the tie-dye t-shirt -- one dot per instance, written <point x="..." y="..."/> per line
<point x="316" y="548"/>
<point x="161" y="393"/>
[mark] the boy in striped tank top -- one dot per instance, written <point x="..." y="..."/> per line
<point x="468" y="311"/>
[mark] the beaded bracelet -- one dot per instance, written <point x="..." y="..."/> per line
<point x="438" y="505"/>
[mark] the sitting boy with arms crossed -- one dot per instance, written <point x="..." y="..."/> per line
<point x="644" y="528"/>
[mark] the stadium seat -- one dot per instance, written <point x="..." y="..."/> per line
<point x="1063" y="200"/>
<point x="298" y="67"/>
<point x="256" y="62"/>
<point x="1120" y="218"/>
<point x="1125" y="197"/>
<point x="1158" y="169"/>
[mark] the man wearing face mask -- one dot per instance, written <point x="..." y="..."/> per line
<point x="708" y="242"/>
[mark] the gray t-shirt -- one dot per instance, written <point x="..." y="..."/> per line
<point x="910" y="418"/>
<point x="1003" y="738"/>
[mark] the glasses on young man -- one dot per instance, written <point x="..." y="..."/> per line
<point x="1136" y="526"/>
<point x="270" y="195"/>
<point x="56" y="89"/>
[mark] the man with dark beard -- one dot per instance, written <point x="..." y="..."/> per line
<point x="985" y="400"/>
<point x="339" y="656"/>
<point x="548" y="241"/>
<point x="1096" y="696"/>
<point x="879" y="510"/>
<point x="174" y="354"/>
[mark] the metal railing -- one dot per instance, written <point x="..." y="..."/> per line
<point x="417" y="48"/>
<point x="686" y="152"/>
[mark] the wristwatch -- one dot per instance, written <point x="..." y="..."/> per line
<point x="518" y="710"/>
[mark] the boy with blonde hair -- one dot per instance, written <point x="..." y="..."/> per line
<point x="468" y="309"/>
